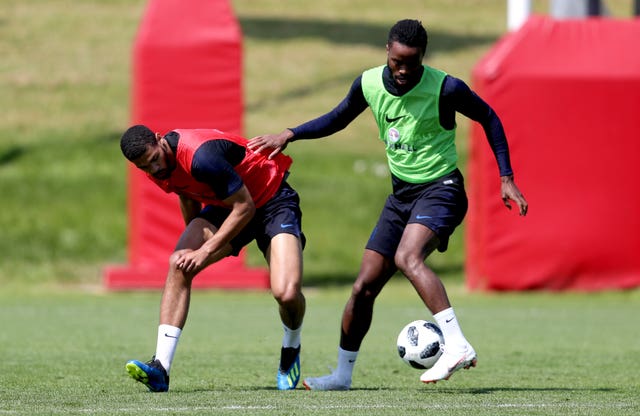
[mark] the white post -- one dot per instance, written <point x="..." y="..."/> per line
<point x="517" y="13"/>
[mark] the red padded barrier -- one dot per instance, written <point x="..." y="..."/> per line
<point x="187" y="73"/>
<point x="568" y="93"/>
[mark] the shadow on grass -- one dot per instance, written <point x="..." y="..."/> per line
<point x="268" y="388"/>
<point x="351" y="33"/>
<point x="339" y="80"/>
<point x="451" y="390"/>
<point x="53" y="143"/>
<point x="491" y="390"/>
<point x="110" y="135"/>
<point x="345" y="33"/>
<point x="446" y="273"/>
<point x="11" y="154"/>
<point x="62" y="141"/>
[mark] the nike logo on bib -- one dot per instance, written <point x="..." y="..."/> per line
<point x="391" y="120"/>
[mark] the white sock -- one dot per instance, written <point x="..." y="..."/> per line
<point x="346" y="362"/>
<point x="291" y="338"/>
<point x="451" y="331"/>
<point x="168" y="337"/>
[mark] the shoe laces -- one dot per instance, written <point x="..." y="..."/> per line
<point x="156" y="364"/>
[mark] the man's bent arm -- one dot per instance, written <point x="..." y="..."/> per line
<point x="190" y="208"/>
<point x="242" y="211"/>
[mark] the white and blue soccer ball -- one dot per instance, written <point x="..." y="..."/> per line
<point x="420" y="344"/>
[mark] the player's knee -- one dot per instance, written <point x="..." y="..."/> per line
<point x="173" y="261"/>
<point x="175" y="271"/>
<point x="287" y="295"/>
<point x="407" y="261"/>
<point x="363" y="292"/>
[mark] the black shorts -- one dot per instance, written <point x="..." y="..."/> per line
<point x="439" y="205"/>
<point x="281" y="214"/>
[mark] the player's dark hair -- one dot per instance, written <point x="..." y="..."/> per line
<point x="135" y="140"/>
<point x="409" y="32"/>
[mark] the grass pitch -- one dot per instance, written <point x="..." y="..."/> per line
<point x="64" y="94"/>
<point x="65" y="99"/>
<point x="539" y="354"/>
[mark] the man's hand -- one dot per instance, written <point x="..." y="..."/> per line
<point x="510" y="192"/>
<point x="191" y="260"/>
<point x="276" y="142"/>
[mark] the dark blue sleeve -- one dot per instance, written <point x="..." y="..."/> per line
<point x="456" y="96"/>
<point x="337" y="119"/>
<point x="213" y="164"/>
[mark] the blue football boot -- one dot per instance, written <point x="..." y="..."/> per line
<point x="289" y="369"/>
<point x="152" y="374"/>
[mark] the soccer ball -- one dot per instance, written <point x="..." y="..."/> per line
<point x="419" y="344"/>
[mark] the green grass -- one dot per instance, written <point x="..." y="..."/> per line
<point x="539" y="354"/>
<point x="64" y="95"/>
<point x="64" y="91"/>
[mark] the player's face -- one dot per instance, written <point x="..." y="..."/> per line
<point x="404" y="61"/>
<point x="155" y="160"/>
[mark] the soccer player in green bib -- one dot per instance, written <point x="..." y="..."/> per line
<point x="414" y="106"/>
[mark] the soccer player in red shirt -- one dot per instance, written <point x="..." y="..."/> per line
<point x="229" y="196"/>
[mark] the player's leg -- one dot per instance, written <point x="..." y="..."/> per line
<point x="376" y="269"/>
<point x="285" y="268"/>
<point x="417" y="243"/>
<point x="174" y="308"/>
<point x="281" y="240"/>
<point x="285" y="265"/>
<point x="434" y="216"/>
<point x="375" y="272"/>
<point x="176" y="295"/>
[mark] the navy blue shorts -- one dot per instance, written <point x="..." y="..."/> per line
<point x="439" y="205"/>
<point x="281" y="214"/>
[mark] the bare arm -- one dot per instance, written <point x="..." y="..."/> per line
<point x="242" y="211"/>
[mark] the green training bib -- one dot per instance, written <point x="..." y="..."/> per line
<point x="418" y="149"/>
